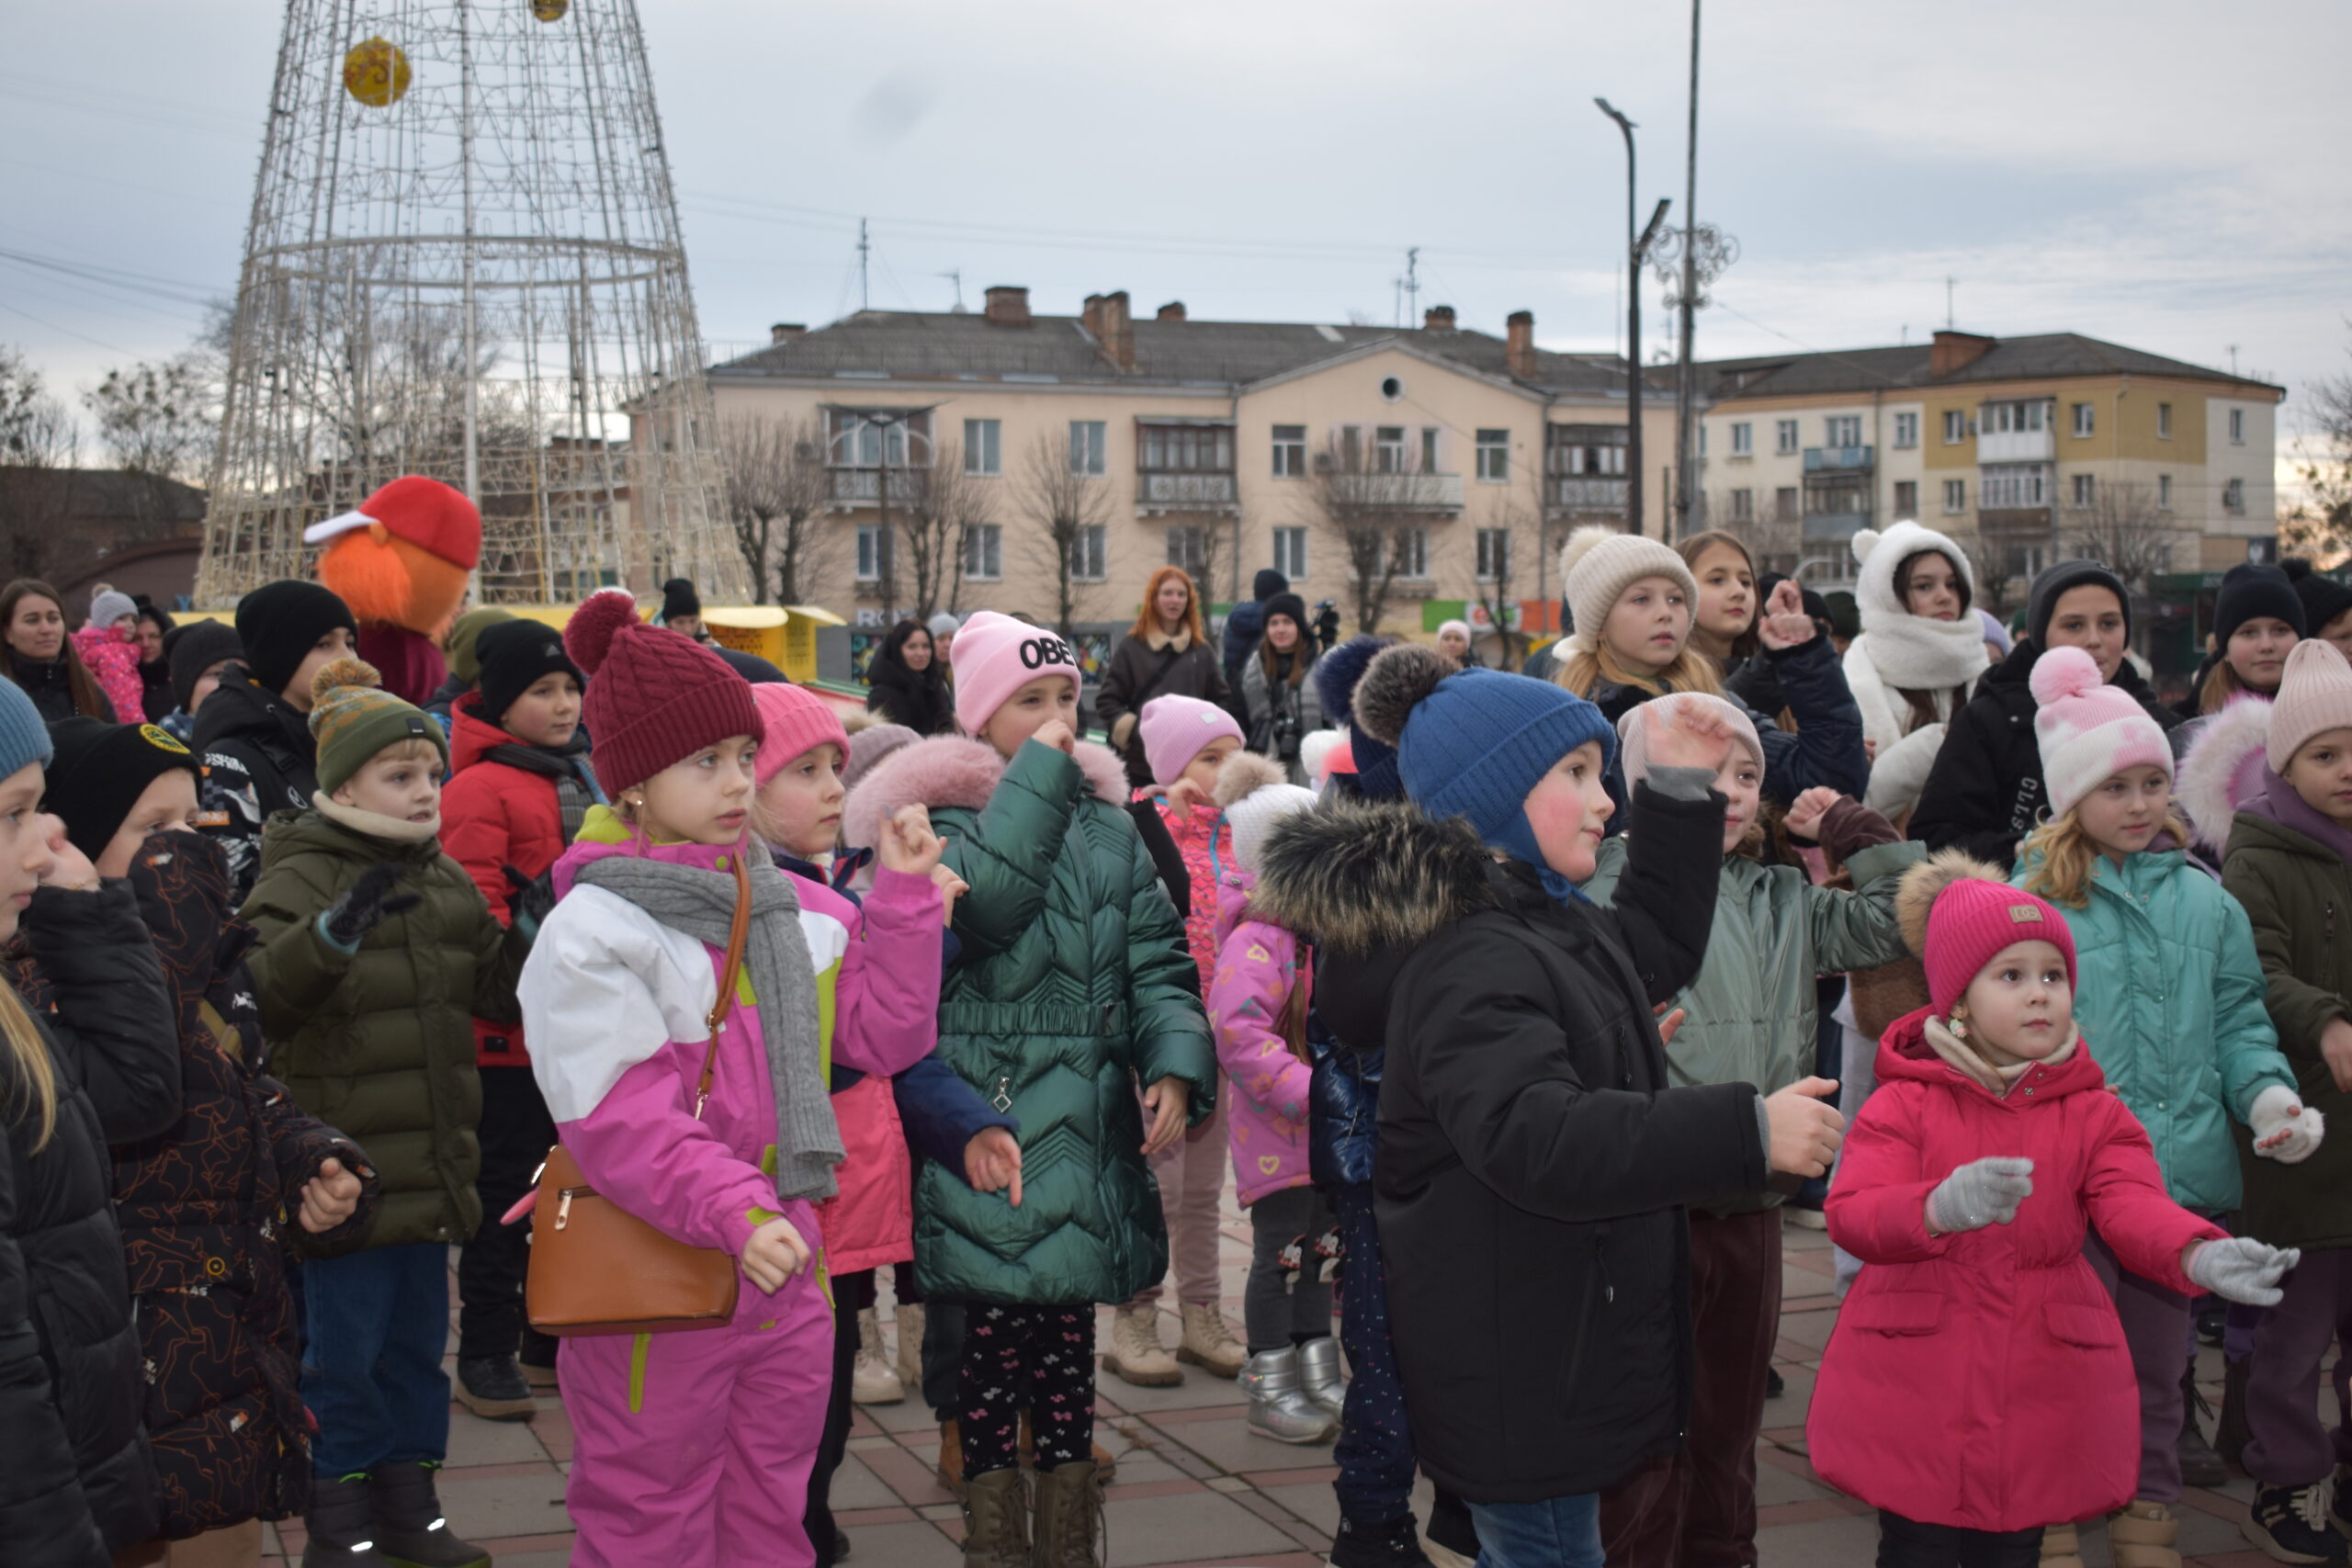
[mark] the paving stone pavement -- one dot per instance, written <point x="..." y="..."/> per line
<point x="1194" y="1488"/>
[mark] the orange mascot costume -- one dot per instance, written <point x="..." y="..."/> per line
<point x="400" y="563"/>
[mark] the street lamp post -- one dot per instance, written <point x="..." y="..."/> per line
<point x="1636" y="245"/>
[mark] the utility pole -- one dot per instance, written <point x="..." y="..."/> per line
<point x="956" y="276"/>
<point x="864" y="298"/>
<point x="1408" y="289"/>
<point x="1636" y="244"/>
<point x="1687" y="390"/>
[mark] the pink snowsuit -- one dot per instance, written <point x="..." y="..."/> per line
<point x="696" y="1448"/>
<point x="113" y="662"/>
<point x="1256" y="969"/>
<point x="1205" y="841"/>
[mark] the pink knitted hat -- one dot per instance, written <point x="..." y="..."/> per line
<point x="1972" y="919"/>
<point x="2314" y="696"/>
<point x="995" y="656"/>
<point x="1177" y="730"/>
<point x="1634" y="729"/>
<point x="797" y="721"/>
<point x="2088" y="731"/>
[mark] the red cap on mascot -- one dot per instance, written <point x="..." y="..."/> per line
<point x="427" y="514"/>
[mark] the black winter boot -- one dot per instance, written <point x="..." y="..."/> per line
<point x="493" y="1388"/>
<point x="338" y="1523"/>
<point x="1395" y="1543"/>
<point x="410" y="1529"/>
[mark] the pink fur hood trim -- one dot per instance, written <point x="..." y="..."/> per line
<point x="948" y="770"/>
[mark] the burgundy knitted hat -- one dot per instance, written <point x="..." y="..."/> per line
<point x="654" y="696"/>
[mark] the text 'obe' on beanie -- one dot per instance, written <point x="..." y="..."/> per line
<point x="1177" y="730"/>
<point x="797" y="721"/>
<point x="2314" y="697"/>
<point x="1256" y="792"/>
<point x="1957" y="914"/>
<point x="353" y="717"/>
<point x="280" y="622"/>
<point x="1634" y="729"/>
<point x="512" y="656"/>
<point x="2088" y="731"/>
<point x="994" y="656"/>
<point x="1597" y="564"/>
<point x="654" y="698"/>
<point x="100" y="770"/>
<point x="24" y="738"/>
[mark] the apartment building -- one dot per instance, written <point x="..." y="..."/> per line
<point x="2022" y="448"/>
<point x="1410" y="476"/>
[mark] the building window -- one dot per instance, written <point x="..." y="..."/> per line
<point x="983" y="448"/>
<point x="2237" y="427"/>
<point x="1955" y="427"/>
<point x="1785" y="437"/>
<point x="1784" y="504"/>
<point x="1388" y="448"/>
<point x="1290" y="451"/>
<point x="1906" y="499"/>
<point x="2086" y="490"/>
<point x="1580" y="451"/>
<point x="984" y="552"/>
<point x="1843" y="430"/>
<point x="1955" y="496"/>
<point x="2014" y="418"/>
<point x="1494" y="555"/>
<point x="1088" y="446"/>
<point x="1429" y="448"/>
<point x="1189" y="549"/>
<point x="2007" y="487"/>
<point x="2164" y="421"/>
<point x="1906" y="430"/>
<point x="2086" y="420"/>
<point x="2234" y="498"/>
<point x="1743" y="439"/>
<point x="1743" y="505"/>
<point x="1494" y="455"/>
<point x="870" y="551"/>
<point x="1290" y="553"/>
<point x="1089" y="553"/>
<point x="2164" y="492"/>
<point x="1413" y="553"/>
<point x="1187" y="449"/>
<point x="857" y="438"/>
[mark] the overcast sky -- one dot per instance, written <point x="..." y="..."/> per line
<point x="2168" y="174"/>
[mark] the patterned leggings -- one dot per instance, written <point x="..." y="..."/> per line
<point x="1040" y="1359"/>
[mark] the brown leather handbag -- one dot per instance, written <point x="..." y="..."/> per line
<point x="597" y="1268"/>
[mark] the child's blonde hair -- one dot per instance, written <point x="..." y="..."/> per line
<point x="2068" y="852"/>
<point x="1691" y="671"/>
<point x="36" y="1079"/>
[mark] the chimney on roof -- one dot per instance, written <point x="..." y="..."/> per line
<point x="1172" y="311"/>
<point x="1106" y="317"/>
<point x="1955" y="351"/>
<point x="1008" y="306"/>
<point x="1519" y="349"/>
<point x="1437" y="319"/>
<point x="787" y="331"/>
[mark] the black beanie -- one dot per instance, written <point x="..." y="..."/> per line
<point x="99" y="771"/>
<point x="2041" y="603"/>
<point x="516" y="655"/>
<point x="1289" y="605"/>
<point x="679" y="598"/>
<point x="2323" y="597"/>
<point x="2249" y="590"/>
<point x="280" y="622"/>
<point x="1267" y="583"/>
<point x="194" y="647"/>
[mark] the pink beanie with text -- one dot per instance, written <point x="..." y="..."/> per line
<point x="1177" y="730"/>
<point x="995" y="656"/>
<point x="2088" y="731"/>
<point x="798" y="720"/>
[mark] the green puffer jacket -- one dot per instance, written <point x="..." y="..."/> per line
<point x="1750" y="1013"/>
<point x="1073" y="989"/>
<point x="2168" y="993"/>
<point x="2298" y="895"/>
<point x="379" y="1042"/>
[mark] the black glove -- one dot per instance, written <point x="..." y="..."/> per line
<point x="534" y="897"/>
<point x="350" y="917"/>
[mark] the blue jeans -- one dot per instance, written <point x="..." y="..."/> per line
<point x="1375" y="1452"/>
<point x="371" y="1371"/>
<point x="1559" y="1532"/>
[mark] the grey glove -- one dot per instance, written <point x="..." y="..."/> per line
<point x="2242" y="1269"/>
<point x="1981" y="1192"/>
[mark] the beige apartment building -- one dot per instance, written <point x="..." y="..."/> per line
<point x="1410" y="476"/>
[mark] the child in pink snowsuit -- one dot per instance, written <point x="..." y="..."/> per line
<point x="695" y="1448"/>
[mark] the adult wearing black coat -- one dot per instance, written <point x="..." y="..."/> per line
<point x="1985" y="792"/>
<point x="1246" y="622"/>
<point x="905" y="683"/>
<point x="1167" y="654"/>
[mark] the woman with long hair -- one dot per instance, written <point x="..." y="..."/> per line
<point x="156" y="697"/>
<point x="1166" y="654"/>
<point x="2257" y="619"/>
<point x="36" y="653"/>
<point x="905" y="683"/>
<point x="1921" y="652"/>
<point x="1276" y="686"/>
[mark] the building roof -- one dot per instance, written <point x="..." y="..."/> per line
<point x="2047" y="357"/>
<point x="1221" y="356"/>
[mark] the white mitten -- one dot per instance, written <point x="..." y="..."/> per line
<point x="2285" y="1129"/>
<point x="1981" y="1192"/>
<point x="2242" y="1269"/>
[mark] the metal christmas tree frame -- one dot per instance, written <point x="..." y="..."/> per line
<point x="464" y="260"/>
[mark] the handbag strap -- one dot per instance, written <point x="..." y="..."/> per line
<point x="730" y="975"/>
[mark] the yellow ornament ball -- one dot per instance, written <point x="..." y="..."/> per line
<point x="375" y="73"/>
<point x="549" y="10"/>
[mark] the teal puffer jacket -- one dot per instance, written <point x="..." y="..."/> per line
<point x="1073" y="990"/>
<point x="1750" y="1013"/>
<point x="2168" y="995"/>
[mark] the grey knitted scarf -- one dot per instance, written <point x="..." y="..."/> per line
<point x="701" y="904"/>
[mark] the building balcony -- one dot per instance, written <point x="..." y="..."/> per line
<point x="1835" y="525"/>
<point x="863" y="487"/>
<point x="1832" y="460"/>
<point x="2015" y="446"/>
<point x="1584" y="493"/>
<point x="1186" y="492"/>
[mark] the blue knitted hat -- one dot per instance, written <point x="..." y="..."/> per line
<point x="23" y="737"/>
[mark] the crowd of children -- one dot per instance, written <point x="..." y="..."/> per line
<point x="1505" y="1001"/>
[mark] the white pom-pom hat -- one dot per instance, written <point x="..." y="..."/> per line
<point x="2088" y="731"/>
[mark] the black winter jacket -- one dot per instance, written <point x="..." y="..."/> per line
<point x="1985" y="791"/>
<point x="920" y="701"/>
<point x="50" y="684"/>
<point x="258" y="757"/>
<point x="1825" y="749"/>
<point x="1533" y="1162"/>
<point x="108" y="1024"/>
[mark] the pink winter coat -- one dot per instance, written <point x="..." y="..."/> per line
<point x="1981" y="1379"/>
<point x="113" y="663"/>
<point x="1256" y="969"/>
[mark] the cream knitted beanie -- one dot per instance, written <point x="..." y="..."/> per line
<point x="1599" y="563"/>
<point x="2314" y="696"/>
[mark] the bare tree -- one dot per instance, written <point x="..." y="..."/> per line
<point x="1499" y="567"/>
<point x="2124" y="530"/>
<point x="1372" y="512"/>
<point x="157" y="419"/>
<point x="1064" y="505"/>
<point x="2321" y="523"/>
<point x="777" y="486"/>
<point x="38" y="448"/>
<point x="944" y="508"/>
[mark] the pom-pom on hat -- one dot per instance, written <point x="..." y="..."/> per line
<point x="1177" y="730"/>
<point x="1256" y="792"/>
<point x="2314" y="697"/>
<point x="1956" y="914"/>
<point x="1599" y="563"/>
<point x="654" y="698"/>
<point x="99" y="771"/>
<point x="434" y="517"/>
<point x="353" y="717"/>
<point x="2088" y="731"/>
<point x="1373" y="761"/>
<point x="798" y="721"/>
<point x="1634" y="729"/>
<point x="869" y="746"/>
<point x="994" y="656"/>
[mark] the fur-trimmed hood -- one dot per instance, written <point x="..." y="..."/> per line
<point x="1359" y="878"/>
<point x="2223" y="769"/>
<point x="1917" y="894"/>
<point x="950" y="770"/>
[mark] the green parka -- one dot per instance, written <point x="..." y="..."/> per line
<point x="379" y="1042"/>
<point x="1073" y="989"/>
<point x="2298" y="895"/>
